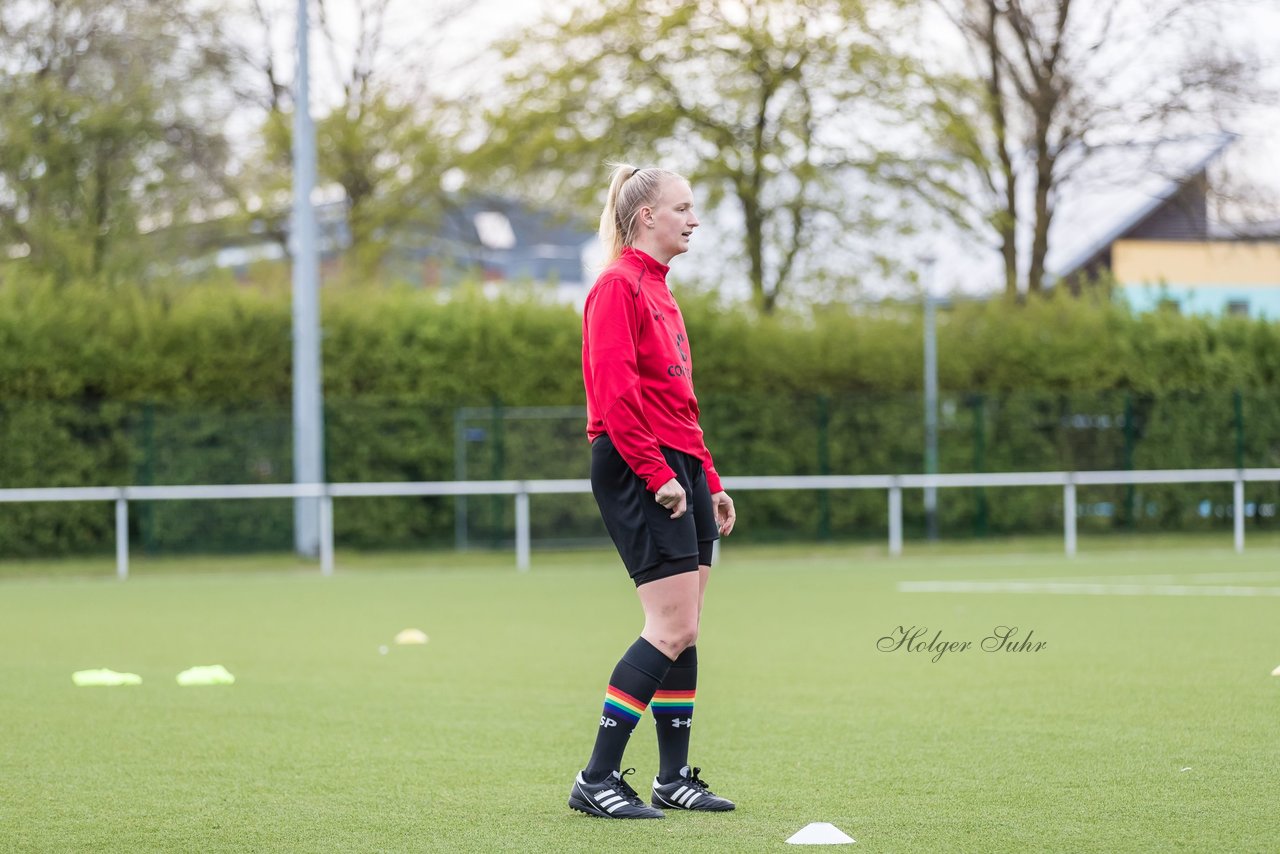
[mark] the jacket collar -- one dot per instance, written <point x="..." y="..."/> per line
<point x="646" y="262"/>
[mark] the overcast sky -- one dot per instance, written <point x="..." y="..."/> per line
<point x="449" y="52"/>
<point x="1256" y="154"/>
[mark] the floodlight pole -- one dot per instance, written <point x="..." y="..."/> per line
<point x="308" y="416"/>
<point x="930" y="400"/>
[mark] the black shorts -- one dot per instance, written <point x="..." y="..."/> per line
<point x="651" y="543"/>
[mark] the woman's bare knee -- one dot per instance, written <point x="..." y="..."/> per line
<point x="671" y="639"/>
<point x="671" y="612"/>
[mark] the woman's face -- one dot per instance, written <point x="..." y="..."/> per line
<point x="672" y="220"/>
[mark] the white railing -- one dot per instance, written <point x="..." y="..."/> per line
<point x="522" y="489"/>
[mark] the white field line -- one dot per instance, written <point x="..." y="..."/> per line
<point x="1194" y="578"/>
<point x="1081" y="588"/>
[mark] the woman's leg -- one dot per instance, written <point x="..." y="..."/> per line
<point x="704" y="573"/>
<point x="672" y="703"/>
<point x="671" y="607"/>
<point x="670" y="625"/>
<point x="677" y="785"/>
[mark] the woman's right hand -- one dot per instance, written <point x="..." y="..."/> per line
<point x="671" y="496"/>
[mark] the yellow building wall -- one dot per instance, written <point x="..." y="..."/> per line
<point x="1237" y="263"/>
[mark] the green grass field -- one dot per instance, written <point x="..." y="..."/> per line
<point x="1148" y="722"/>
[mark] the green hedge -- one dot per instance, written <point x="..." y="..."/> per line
<point x="168" y="383"/>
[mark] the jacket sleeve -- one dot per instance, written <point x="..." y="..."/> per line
<point x="612" y="328"/>
<point x="709" y="469"/>
<point x="708" y="465"/>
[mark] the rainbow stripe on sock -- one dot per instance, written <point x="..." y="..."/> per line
<point x="673" y="703"/>
<point x="622" y="705"/>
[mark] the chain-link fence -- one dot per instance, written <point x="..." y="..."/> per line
<point x="63" y="444"/>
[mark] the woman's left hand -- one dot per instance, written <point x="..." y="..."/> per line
<point x="725" y="517"/>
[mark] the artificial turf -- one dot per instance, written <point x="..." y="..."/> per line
<point x="1145" y="723"/>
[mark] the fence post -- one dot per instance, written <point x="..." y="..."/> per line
<point x="1238" y="501"/>
<point x="824" y="466"/>
<point x="497" y="464"/>
<point x="122" y="537"/>
<point x="146" y="514"/>
<point x="1130" y="489"/>
<point x="1238" y="401"/>
<point x="460" y="474"/>
<point x="980" y="464"/>
<point x="326" y="533"/>
<point x="1069" y="516"/>
<point x="522" y="530"/>
<point x="895" y="519"/>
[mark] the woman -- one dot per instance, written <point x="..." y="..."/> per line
<point x="656" y="486"/>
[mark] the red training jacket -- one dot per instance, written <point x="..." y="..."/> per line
<point x="638" y="370"/>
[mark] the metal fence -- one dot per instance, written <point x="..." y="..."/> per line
<point x="84" y="444"/>
<point x="521" y="490"/>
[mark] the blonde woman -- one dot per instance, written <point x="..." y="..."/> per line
<point x="656" y="486"/>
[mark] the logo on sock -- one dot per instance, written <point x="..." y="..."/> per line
<point x="607" y="722"/>
<point x="687" y="722"/>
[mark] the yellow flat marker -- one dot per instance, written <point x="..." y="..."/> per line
<point x="212" y="674"/>
<point x="104" y="678"/>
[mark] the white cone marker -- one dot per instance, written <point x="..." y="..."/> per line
<point x="1276" y="672"/>
<point x="820" y="833"/>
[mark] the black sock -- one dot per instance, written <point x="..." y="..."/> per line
<point x="638" y="674"/>
<point x="673" y="714"/>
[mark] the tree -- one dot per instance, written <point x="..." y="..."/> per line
<point x="1049" y="84"/>
<point x="379" y="137"/>
<point x="107" y="129"/>
<point x="770" y="106"/>
<point x="381" y="144"/>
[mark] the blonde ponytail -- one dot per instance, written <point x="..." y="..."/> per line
<point x="630" y="189"/>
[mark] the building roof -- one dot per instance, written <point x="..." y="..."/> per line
<point x="1110" y="193"/>
<point x="502" y="239"/>
<point x="509" y="240"/>
<point x="1120" y="189"/>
